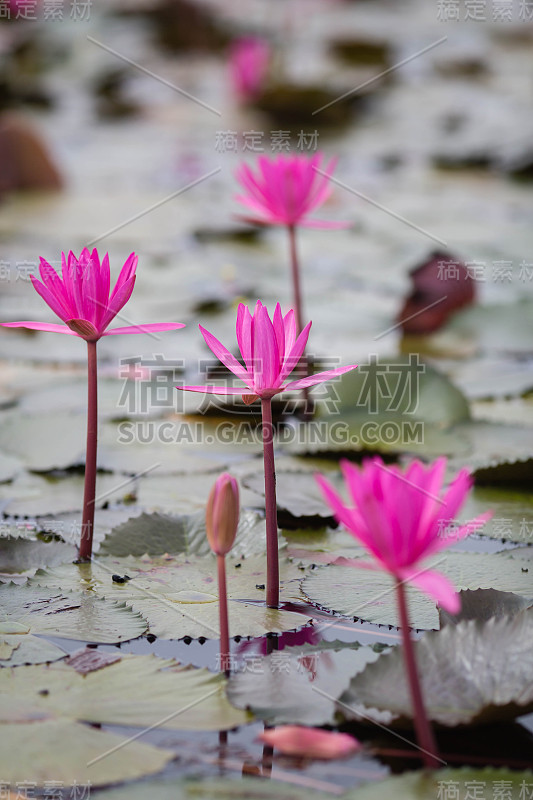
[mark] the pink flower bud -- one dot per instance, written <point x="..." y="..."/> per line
<point x="222" y="514"/>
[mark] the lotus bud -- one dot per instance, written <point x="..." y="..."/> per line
<point x="222" y="514"/>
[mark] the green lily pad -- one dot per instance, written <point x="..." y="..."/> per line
<point x="458" y="783"/>
<point x="178" y="595"/>
<point x="397" y="387"/>
<point x="20" y="555"/>
<point x="211" y="789"/>
<point x="512" y="511"/>
<point x="165" y="693"/>
<point x="503" y="329"/>
<point x="68" y="525"/>
<point x="185" y="494"/>
<point x="370" y="595"/>
<point x="70" y="615"/>
<point x="496" y="453"/>
<point x="482" y="604"/>
<point x="44" y="442"/>
<point x="471" y="673"/>
<point x="157" y="534"/>
<point x="37" y="496"/>
<point x="321" y="546"/>
<point x="296" y="493"/>
<point x="27" y="649"/>
<point x="58" y="750"/>
<point x="300" y="686"/>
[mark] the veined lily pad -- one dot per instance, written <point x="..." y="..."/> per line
<point x="471" y="673"/>
<point x="512" y="511"/>
<point x="166" y="694"/>
<point x="70" y="615"/>
<point x="36" y="496"/>
<point x="296" y="493"/>
<point x="482" y="604"/>
<point x="62" y="751"/>
<point x="370" y="595"/>
<point x="298" y="686"/>
<point x="460" y="783"/>
<point x="178" y="595"/>
<point x="26" y="649"/>
<point x="185" y="494"/>
<point x="20" y="555"/>
<point x="157" y="534"/>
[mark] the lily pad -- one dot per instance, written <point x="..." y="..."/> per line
<point x="37" y="496"/>
<point x="185" y="494"/>
<point x="296" y="493"/>
<point x="370" y="595"/>
<point x="157" y="534"/>
<point x="167" y="694"/>
<point x="70" y="615"/>
<point x="429" y="785"/>
<point x="298" y="687"/>
<point x="44" y="442"/>
<point x="20" y="555"/>
<point x="27" y="649"/>
<point x="219" y="788"/>
<point x="482" y="604"/>
<point x="503" y="329"/>
<point x="496" y="453"/>
<point x="58" y="750"/>
<point x="471" y="673"/>
<point x="178" y="595"/>
<point x="512" y="511"/>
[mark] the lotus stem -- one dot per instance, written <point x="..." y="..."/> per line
<point x="298" y="314"/>
<point x="87" y="522"/>
<point x="272" y="595"/>
<point x="223" y="615"/>
<point x="424" y="731"/>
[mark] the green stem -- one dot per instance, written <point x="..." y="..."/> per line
<point x="424" y="731"/>
<point x="87" y="522"/>
<point x="272" y="594"/>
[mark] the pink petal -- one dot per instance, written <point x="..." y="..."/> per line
<point x="40" y="326"/>
<point x="52" y="299"/>
<point x="223" y="355"/>
<point x="295" y="353"/>
<point x="436" y="585"/>
<point x="320" y="377"/>
<point x="211" y="389"/>
<point x="150" y="327"/>
<point x="294" y="740"/>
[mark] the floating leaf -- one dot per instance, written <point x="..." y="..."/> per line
<point x="370" y="595"/>
<point x="495" y="329"/>
<point x="482" y="604"/>
<point x="429" y="785"/>
<point x="178" y="596"/>
<point x="21" y="555"/>
<point x="491" y="445"/>
<point x="298" y="687"/>
<point x="157" y="534"/>
<point x="44" y="442"/>
<point x="27" y="649"/>
<point x="512" y="512"/>
<point x="138" y="691"/>
<point x="296" y="493"/>
<point x="211" y="789"/>
<point x="471" y="673"/>
<point x="70" y="615"/>
<point x="321" y="546"/>
<point x="62" y="751"/>
<point x="37" y="496"/>
<point x="184" y="495"/>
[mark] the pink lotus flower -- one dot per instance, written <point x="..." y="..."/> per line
<point x="401" y="519"/>
<point x="248" y="63"/>
<point x="270" y="350"/>
<point x="286" y="189"/>
<point x="81" y="297"/>
<point x="295" y="740"/>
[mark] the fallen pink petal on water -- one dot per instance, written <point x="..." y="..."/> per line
<point x="296" y="740"/>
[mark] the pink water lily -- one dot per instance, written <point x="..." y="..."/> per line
<point x="81" y="297"/>
<point x="248" y="63"/>
<point x="402" y="518"/>
<point x="286" y="189"/>
<point x="270" y="350"/>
